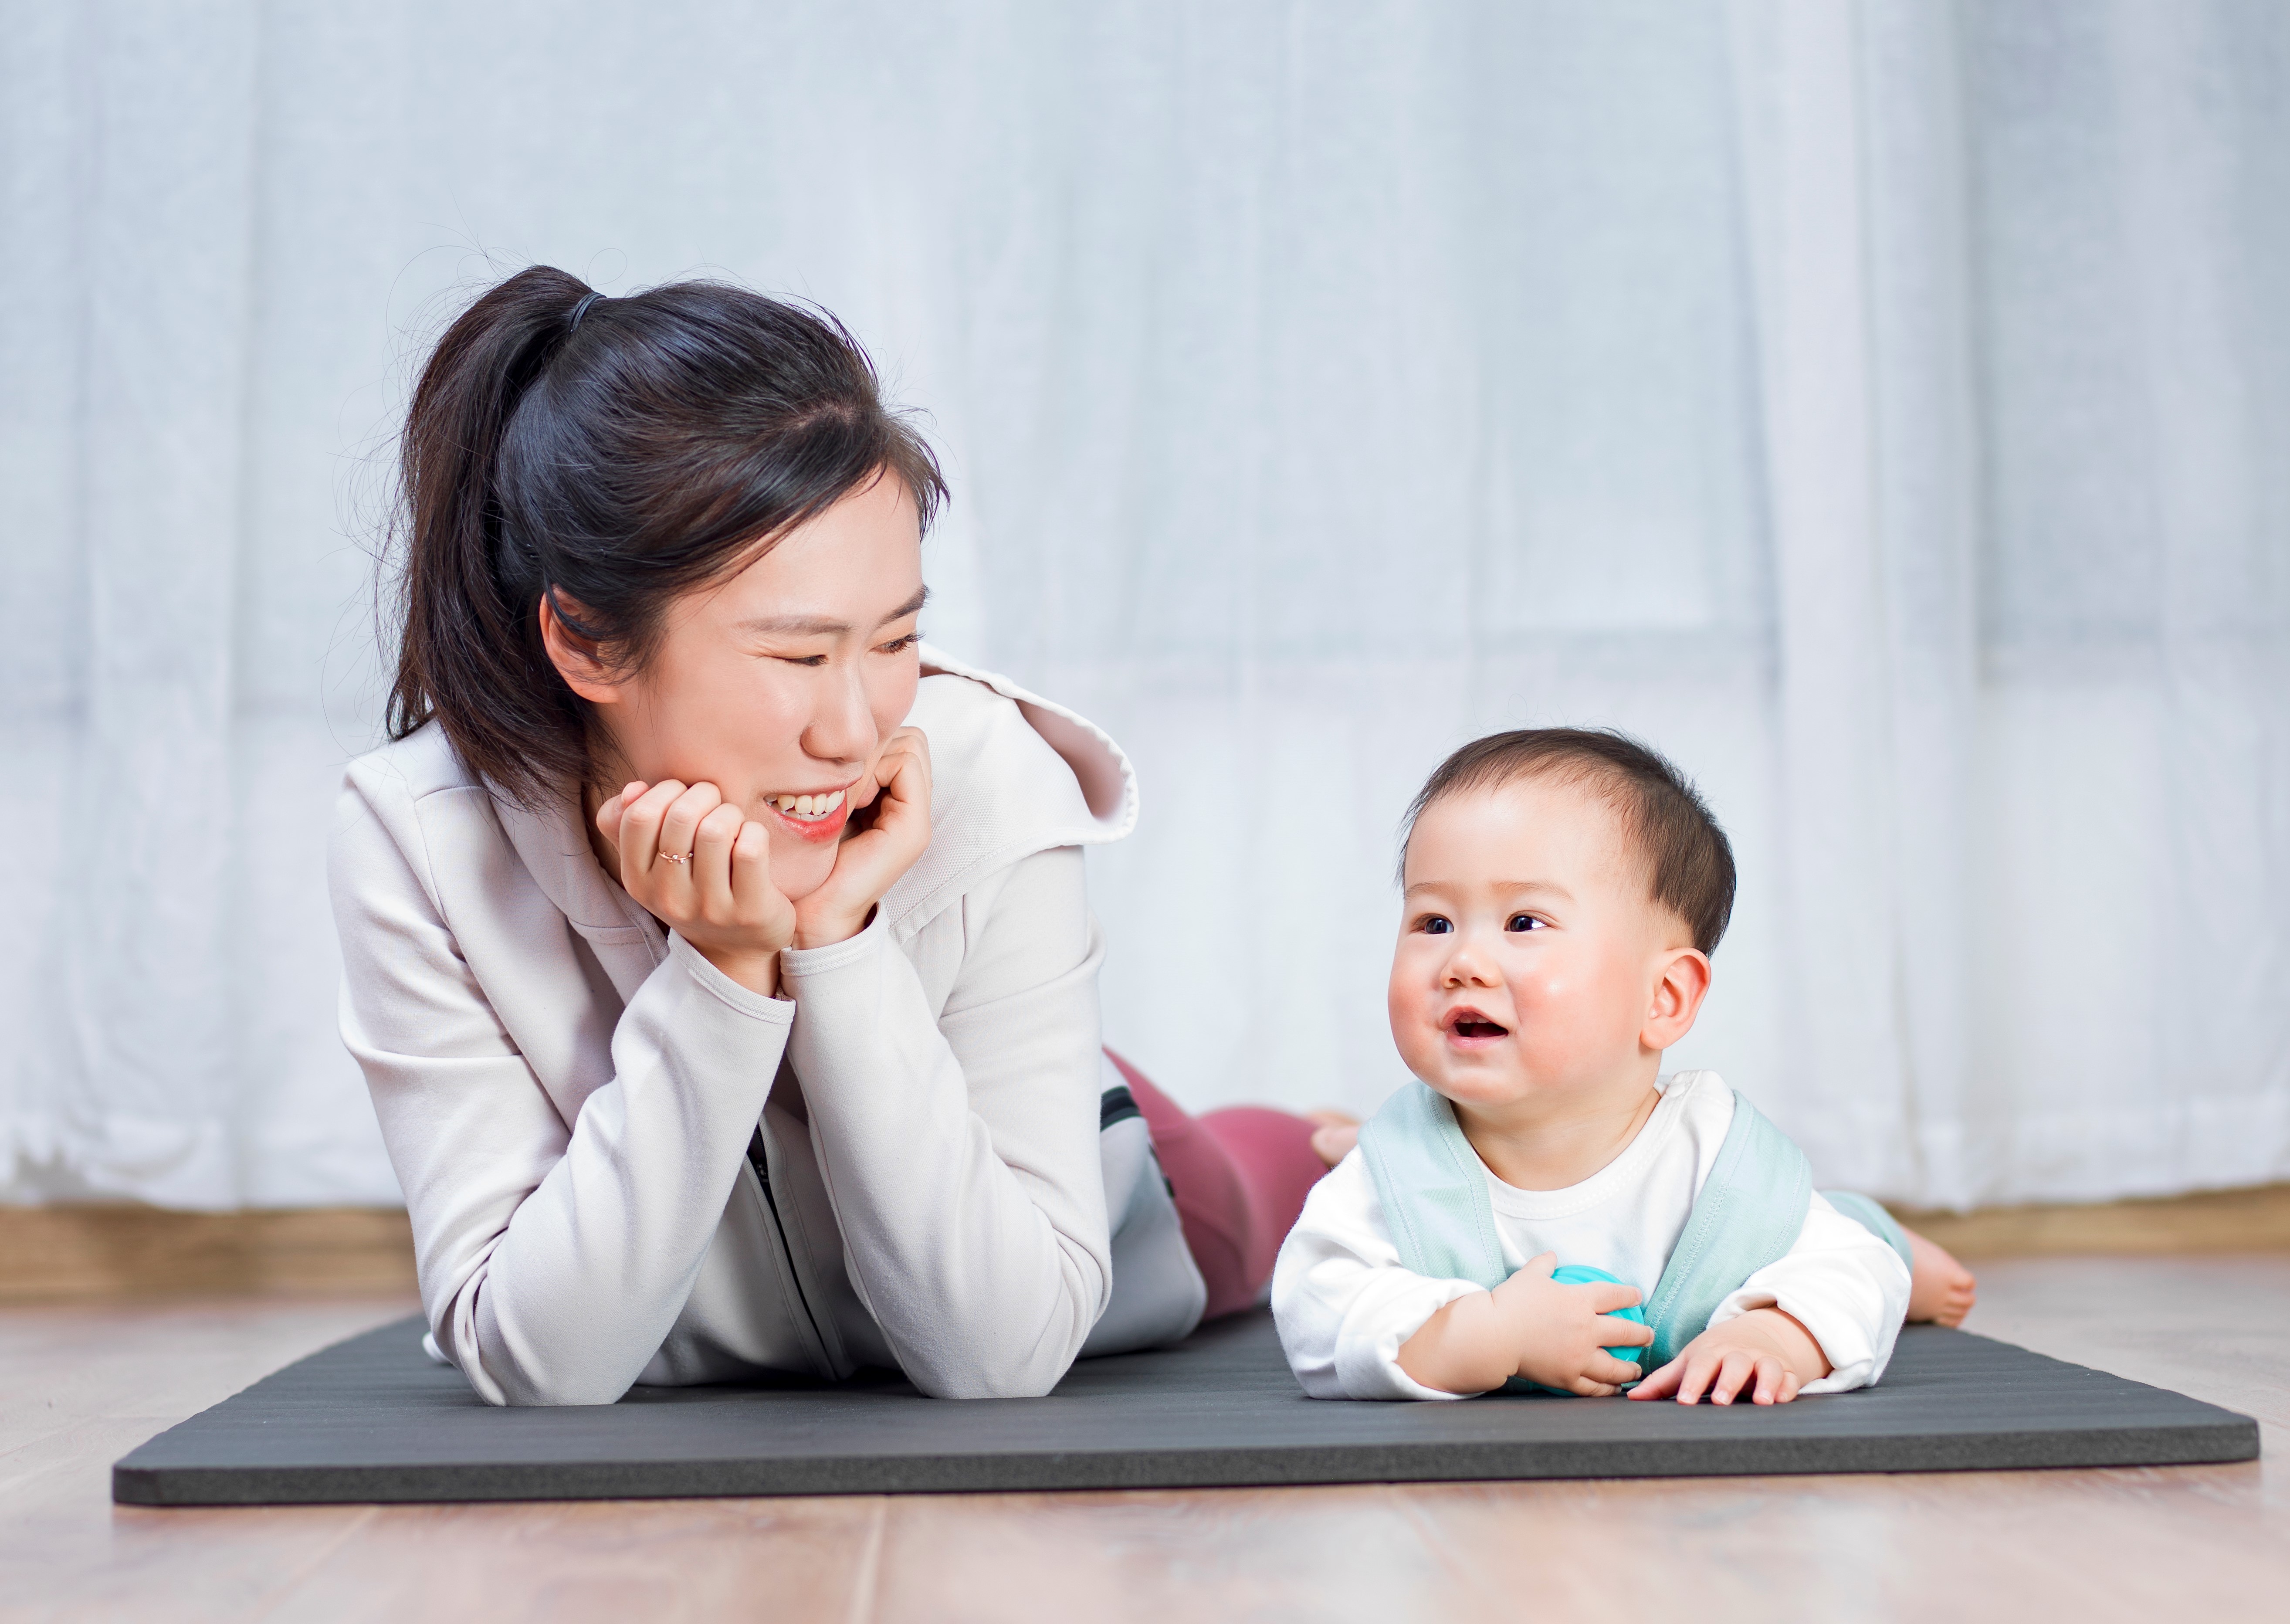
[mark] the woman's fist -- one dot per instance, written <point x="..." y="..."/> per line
<point x="698" y="866"/>
<point x="870" y="861"/>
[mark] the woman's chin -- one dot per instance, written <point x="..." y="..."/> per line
<point x="800" y="872"/>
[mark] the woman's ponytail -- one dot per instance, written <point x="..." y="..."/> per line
<point x="614" y="453"/>
<point x="469" y="627"/>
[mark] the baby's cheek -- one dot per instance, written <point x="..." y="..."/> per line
<point x="1404" y="1002"/>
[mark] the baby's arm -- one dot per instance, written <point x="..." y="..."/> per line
<point x="1821" y="1319"/>
<point x="1346" y="1307"/>
<point x="1533" y="1326"/>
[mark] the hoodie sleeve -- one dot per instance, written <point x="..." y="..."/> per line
<point x="960" y="1150"/>
<point x="1842" y="1283"/>
<point x="553" y="1260"/>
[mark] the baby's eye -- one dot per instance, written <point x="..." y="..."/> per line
<point x="1523" y="922"/>
<point x="1434" y="926"/>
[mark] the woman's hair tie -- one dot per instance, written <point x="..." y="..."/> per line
<point x="573" y="324"/>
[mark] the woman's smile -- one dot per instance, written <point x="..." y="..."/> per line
<point x="818" y="818"/>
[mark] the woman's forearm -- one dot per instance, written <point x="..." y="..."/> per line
<point x="960" y="1147"/>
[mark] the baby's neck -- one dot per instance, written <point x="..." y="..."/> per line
<point x="1551" y="1144"/>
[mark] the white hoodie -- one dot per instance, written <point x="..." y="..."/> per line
<point x="623" y="1166"/>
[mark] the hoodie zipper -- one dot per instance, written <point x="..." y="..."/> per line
<point x="759" y="1158"/>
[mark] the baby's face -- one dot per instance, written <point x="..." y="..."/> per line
<point x="1531" y="954"/>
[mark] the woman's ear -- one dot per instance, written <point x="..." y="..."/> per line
<point x="575" y="657"/>
<point x="1677" y="994"/>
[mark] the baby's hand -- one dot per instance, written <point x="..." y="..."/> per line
<point x="1530" y="1326"/>
<point x="1766" y="1348"/>
<point x="1561" y="1333"/>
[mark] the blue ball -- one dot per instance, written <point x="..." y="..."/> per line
<point x="1583" y="1274"/>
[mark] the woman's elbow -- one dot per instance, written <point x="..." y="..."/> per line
<point x="998" y="1367"/>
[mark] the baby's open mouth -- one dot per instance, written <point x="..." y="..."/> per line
<point x="1470" y="1023"/>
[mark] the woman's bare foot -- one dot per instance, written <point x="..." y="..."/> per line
<point x="1337" y="1133"/>
<point x="1940" y="1288"/>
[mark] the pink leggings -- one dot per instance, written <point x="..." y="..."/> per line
<point x="1240" y="1176"/>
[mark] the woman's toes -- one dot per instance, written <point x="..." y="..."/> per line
<point x="1334" y="1142"/>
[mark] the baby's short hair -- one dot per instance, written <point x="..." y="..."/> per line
<point x="1689" y="861"/>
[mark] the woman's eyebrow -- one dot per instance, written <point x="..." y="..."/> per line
<point x="826" y="625"/>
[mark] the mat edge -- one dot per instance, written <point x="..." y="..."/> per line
<point x="161" y="1488"/>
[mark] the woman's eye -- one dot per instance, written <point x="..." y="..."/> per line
<point x="1523" y="922"/>
<point x="1436" y="926"/>
<point x="900" y="645"/>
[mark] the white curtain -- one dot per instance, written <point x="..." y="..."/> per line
<point x="1881" y="408"/>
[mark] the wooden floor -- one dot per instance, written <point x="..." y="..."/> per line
<point x="81" y="1385"/>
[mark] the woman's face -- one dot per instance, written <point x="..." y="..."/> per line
<point x="779" y="684"/>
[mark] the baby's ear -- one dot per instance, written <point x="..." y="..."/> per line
<point x="1677" y="993"/>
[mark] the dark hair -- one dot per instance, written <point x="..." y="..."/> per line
<point x="1689" y="861"/>
<point x="613" y="453"/>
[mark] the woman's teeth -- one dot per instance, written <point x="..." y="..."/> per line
<point x="807" y="805"/>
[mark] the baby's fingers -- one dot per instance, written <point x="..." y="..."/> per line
<point x="1770" y="1377"/>
<point x="1624" y="1333"/>
<point x="1662" y="1383"/>
<point x="1700" y="1369"/>
<point x="1584" y="1387"/>
<point x="1739" y="1364"/>
<point x="1608" y="1295"/>
<point x="1612" y="1371"/>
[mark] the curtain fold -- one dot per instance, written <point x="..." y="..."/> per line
<point x="1876" y="406"/>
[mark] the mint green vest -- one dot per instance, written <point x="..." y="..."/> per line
<point x="1433" y="1189"/>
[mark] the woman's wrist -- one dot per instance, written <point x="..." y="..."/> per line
<point x="758" y="972"/>
<point x="826" y="929"/>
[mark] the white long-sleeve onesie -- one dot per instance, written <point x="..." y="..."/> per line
<point x="1345" y="1305"/>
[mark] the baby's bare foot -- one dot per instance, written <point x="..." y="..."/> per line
<point x="1940" y="1288"/>
<point x="1337" y="1133"/>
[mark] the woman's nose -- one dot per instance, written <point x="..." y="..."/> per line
<point x="842" y="726"/>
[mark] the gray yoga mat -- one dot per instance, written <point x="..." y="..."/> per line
<point x="373" y="1420"/>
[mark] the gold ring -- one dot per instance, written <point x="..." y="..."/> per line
<point x="676" y="857"/>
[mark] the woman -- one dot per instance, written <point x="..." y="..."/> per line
<point x="718" y="958"/>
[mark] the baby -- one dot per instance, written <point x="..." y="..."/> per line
<point x="1505" y="1217"/>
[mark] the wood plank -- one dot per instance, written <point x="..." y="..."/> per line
<point x="2242" y="1221"/>
<point x="80" y="1384"/>
<point x="94" y="1253"/>
<point x="125" y="1252"/>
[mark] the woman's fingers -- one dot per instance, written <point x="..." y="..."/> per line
<point x="873" y="858"/>
<point x="755" y="899"/>
<point x="711" y="860"/>
<point x="608" y="815"/>
<point x="640" y="822"/>
<point x="679" y="829"/>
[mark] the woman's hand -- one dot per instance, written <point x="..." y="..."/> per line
<point x="690" y="858"/>
<point x="870" y="862"/>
